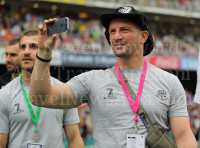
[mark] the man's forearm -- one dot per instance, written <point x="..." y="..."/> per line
<point x="76" y="143"/>
<point x="3" y="140"/>
<point x="40" y="86"/>
<point x="187" y="141"/>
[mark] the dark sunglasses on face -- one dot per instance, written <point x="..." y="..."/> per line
<point x="31" y="45"/>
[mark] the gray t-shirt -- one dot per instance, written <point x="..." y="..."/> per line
<point x="15" y="118"/>
<point x="112" y="118"/>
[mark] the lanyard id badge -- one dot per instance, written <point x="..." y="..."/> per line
<point x="30" y="109"/>
<point x="135" y="141"/>
<point x="34" y="145"/>
<point x="133" y="105"/>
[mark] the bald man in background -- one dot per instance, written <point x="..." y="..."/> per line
<point x="12" y="63"/>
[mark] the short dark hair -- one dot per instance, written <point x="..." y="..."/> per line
<point x="30" y="33"/>
<point x="13" y="42"/>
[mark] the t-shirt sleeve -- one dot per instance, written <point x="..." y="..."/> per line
<point x="4" y="116"/>
<point x="71" y="116"/>
<point x="80" y="86"/>
<point x="178" y="104"/>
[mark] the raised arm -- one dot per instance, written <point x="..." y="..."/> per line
<point x="42" y="93"/>
<point x="3" y="140"/>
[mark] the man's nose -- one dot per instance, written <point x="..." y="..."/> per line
<point x="27" y="50"/>
<point x="118" y="35"/>
<point x="8" y="58"/>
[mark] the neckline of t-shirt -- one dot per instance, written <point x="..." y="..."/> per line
<point x="131" y="70"/>
<point x="25" y="84"/>
<point x="137" y="70"/>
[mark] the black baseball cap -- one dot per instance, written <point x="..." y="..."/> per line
<point x="130" y="13"/>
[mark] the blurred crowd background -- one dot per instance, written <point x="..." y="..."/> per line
<point x="86" y="35"/>
<point x="170" y="38"/>
<point x="176" y="4"/>
<point x="89" y="34"/>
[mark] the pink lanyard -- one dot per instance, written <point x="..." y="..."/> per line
<point x="134" y="106"/>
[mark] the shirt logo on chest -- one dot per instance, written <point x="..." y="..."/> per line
<point x="161" y="94"/>
<point x="110" y="94"/>
<point x="18" y="108"/>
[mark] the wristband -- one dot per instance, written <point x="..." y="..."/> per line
<point x="43" y="60"/>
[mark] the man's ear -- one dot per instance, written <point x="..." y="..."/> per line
<point x="144" y="36"/>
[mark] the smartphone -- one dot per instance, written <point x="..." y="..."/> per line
<point x="58" y="26"/>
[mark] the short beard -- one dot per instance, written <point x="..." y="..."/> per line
<point x="10" y="71"/>
<point x="28" y="69"/>
<point x="123" y="55"/>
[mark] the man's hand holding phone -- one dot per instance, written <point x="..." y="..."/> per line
<point x="48" y="35"/>
<point x="46" y="43"/>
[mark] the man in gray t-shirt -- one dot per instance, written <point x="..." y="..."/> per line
<point x="110" y="111"/>
<point x="114" y="123"/>
<point x="20" y="124"/>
